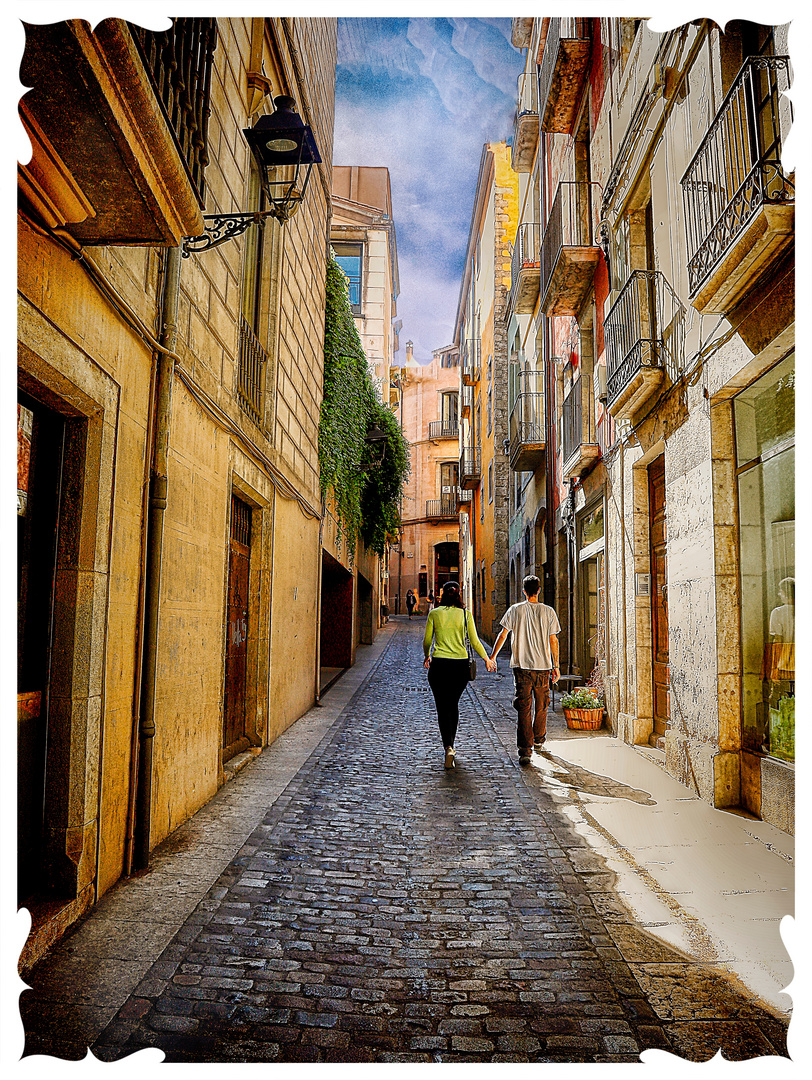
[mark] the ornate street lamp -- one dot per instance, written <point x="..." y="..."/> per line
<point x="279" y="141"/>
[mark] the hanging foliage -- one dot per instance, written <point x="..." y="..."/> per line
<point x="365" y="480"/>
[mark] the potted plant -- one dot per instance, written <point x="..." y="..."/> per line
<point x="583" y="709"/>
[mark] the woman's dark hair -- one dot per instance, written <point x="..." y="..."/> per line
<point x="450" y="596"/>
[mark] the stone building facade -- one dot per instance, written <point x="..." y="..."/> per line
<point x="362" y="239"/>
<point x="429" y="549"/>
<point x="168" y="506"/>
<point x="664" y="333"/>
<point x="480" y="335"/>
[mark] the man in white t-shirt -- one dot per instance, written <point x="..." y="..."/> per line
<point x="534" y="660"/>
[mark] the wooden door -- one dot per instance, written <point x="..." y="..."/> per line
<point x="659" y="597"/>
<point x="234" y="736"/>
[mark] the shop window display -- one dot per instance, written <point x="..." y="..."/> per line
<point x="765" y="463"/>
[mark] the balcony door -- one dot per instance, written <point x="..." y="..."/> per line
<point x="659" y="597"/>
<point x="449" y="481"/>
<point x="450" y="410"/>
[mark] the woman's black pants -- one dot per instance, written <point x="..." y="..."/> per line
<point x="448" y="679"/>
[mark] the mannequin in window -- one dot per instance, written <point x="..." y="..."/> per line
<point x="782" y="633"/>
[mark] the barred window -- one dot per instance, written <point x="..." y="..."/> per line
<point x="179" y="63"/>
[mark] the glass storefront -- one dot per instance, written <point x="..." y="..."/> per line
<point x="764" y="416"/>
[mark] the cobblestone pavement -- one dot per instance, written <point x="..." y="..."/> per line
<point x="386" y="910"/>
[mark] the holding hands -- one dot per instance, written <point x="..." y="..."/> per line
<point x="490" y="664"/>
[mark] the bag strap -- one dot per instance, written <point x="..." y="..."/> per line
<point x="468" y="647"/>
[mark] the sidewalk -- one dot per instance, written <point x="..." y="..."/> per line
<point x="712" y="883"/>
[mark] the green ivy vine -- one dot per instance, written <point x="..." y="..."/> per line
<point x="365" y="486"/>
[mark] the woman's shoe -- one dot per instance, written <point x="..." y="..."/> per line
<point x="449" y="757"/>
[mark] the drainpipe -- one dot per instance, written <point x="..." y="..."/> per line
<point x="155" y="530"/>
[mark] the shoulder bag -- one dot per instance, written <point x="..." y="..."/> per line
<point x="468" y="649"/>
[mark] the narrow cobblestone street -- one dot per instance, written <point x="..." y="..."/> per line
<point x="387" y="910"/>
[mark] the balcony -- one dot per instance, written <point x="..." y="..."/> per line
<point x="528" y="441"/>
<point x="521" y="30"/>
<point x="466" y="402"/>
<point x="443" y="509"/>
<point x="117" y="120"/>
<point x="563" y="75"/>
<point x="444" y="429"/>
<point x="525" y="124"/>
<point x="471" y="362"/>
<point x="524" y="271"/>
<point x="470" y="467"/>
<point x="578" y="438"/>
<point x="569" y="254"/>
<point x="464" y="499"/>
<point x="644" y="333"/>
<point x="739" y="203"/>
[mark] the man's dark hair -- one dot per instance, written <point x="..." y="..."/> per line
<point x="531" y="584"/>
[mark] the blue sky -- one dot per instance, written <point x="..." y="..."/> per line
<point x="421" y="96"/>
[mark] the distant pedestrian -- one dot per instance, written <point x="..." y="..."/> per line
<point x="431" y="600"/>
<point x="534" y="660"/>
<point x="447" y="661"/>
<point x="411" y="602"/>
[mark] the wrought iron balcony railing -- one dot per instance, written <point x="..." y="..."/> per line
<point x="735" y="174"/>
<point x="524" y="271"/>
<point x="644" y="338"/>
<point x="443" y="508"/>
<point x="444" y="429"/>
<point x="578" y="439"/>
<point x="470" y="466"/>
<point x="564" y="66"/>
<point x="464" y="499"/>
<point x="471" y="361"/>
<point x="572" y="421"/>
<point x="179" y="63"/>
<point x="466" y="402"/>
<point x="525" y="123"/>
<point x="569" y="253"/>
<point x="527" y="423"/>
<point x="250" y="373"/>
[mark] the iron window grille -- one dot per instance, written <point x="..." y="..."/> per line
<point x="179" y="64"/>
<point x="737" y="168"/>
<point x="644" y="328"/>
<point x="251" y="372"/>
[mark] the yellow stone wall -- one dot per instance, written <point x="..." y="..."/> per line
<point x="73" y="340"/>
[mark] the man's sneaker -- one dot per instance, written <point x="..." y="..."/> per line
<point x="524" y="759"/>
<point x="449" y="757"/>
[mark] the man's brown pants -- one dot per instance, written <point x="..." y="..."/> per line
<point x="531" y="699"/>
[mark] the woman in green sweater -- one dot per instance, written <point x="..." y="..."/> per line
<point x="447" y="662"/>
